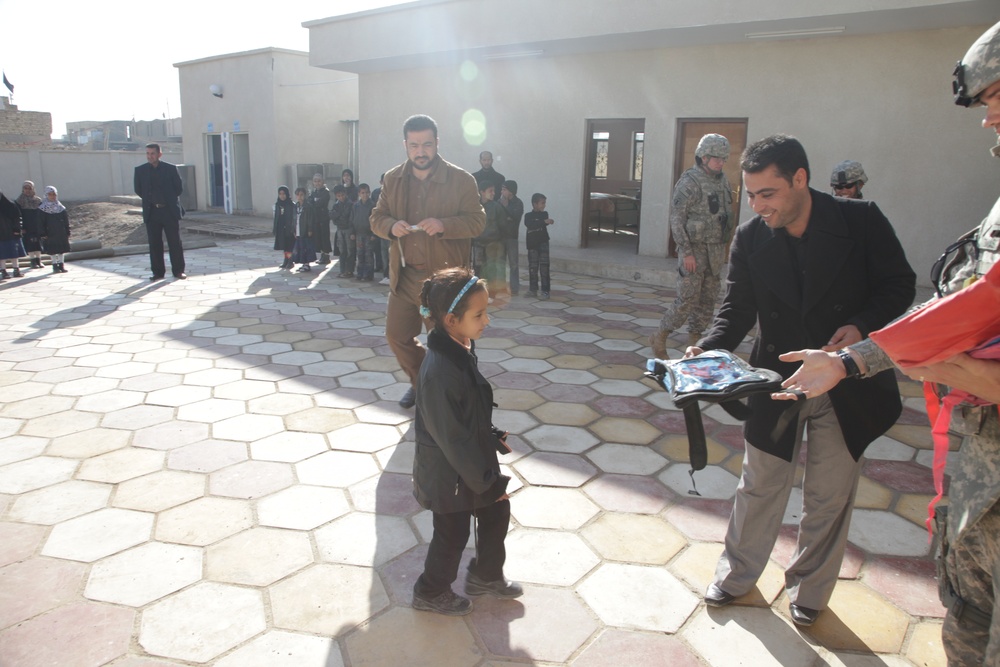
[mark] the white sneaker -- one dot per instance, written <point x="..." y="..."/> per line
<point x="384" y="281"/>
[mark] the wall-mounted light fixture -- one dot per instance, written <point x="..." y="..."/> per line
<point x="216" y="90"/>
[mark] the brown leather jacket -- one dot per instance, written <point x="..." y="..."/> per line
<point x="453" y="199"/>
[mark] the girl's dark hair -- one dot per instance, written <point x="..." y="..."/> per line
<point x="287" y="193"/>
<point x="302" y="190"/>
<point x="440" y="290"/>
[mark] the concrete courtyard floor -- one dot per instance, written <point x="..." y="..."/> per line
<point x="216" y="471"/>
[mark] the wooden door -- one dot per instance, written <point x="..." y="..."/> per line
<point x="690" y="132"/>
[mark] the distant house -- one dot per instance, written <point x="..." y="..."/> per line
<point x="123" y="135"/>
<point x="24" y="129"/>
<point x="259" y="119"/>
<point x="581" y="99"/>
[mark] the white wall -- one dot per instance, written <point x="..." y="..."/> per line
<point x="78" y="175"/>
<point x="884" y="100"/>
<point x="290" y="111"/>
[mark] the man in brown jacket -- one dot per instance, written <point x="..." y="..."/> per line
<point x="429" y="211"/>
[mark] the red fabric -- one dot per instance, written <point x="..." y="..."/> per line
<point x="957" y="323"/>
<point x="954" y="324"/>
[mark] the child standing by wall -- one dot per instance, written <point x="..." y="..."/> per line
<point x="11" y="248"/>
<point x="304" y="250"/>
<point x="456" y="474"/>
<point x="536" y="222"/>
<point x="31" y="235"/>
<point x="366" y="241"/>
<point x="489" y="251"/>
<point x="55" y="228"/>
<point x="341" y="216"/>
<point x="284" y="226"/>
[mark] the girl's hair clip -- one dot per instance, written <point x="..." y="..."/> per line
<point x="425" y="312"/>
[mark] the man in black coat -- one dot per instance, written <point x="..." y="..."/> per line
<point x="159" y="186"/>
<point x="810" y="271"/>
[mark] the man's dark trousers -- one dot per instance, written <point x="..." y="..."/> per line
<point x="160" y="222"/>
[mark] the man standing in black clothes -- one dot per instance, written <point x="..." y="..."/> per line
<point x="488" y="173"/>
<point x="159" y="185"/>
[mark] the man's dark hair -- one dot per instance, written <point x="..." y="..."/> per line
<point x="485" y="153"/>
<point x="784" y="152"/>
<point x="537" y="197"/>
<point x="419" y="123"/>
<point x="339" y="189"/>
<point x="364" y="186"/>
<point x="485" y="185"/>
<point x="156" y="146"/>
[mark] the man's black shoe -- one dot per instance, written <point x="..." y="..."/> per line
<point x="447" y="603"/>
<point x="803" y="616"/>
<point x="409" y="399"/>
<point x="181" y="276"/>
<point x="716" y="597"/>
<point x="501" y="588"/>
<point x="155" y="278"/>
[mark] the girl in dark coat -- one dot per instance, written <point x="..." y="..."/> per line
<point x="284" y="225"/>
<point x="352" y="190"/>
<point x="304" y="250"/>
<point x="31" y="235"/>
<point x="456" y="474"/>
<point x="54" y="228"/>
<point x="10" y="237"/>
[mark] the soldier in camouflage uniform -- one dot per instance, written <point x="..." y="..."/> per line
<point x="700" y="220"/>
<point x="969" y="537"/>
<point x="848" y="178"/>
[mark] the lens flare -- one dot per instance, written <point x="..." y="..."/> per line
<point x="474" y="127"/>
<point x="468" y="71"/>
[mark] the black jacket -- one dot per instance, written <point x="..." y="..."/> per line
<point x="455" y="467"/>
<point x="10" y="220"/>
<point x="855" y="273"/>
<point x="169" y="188"/>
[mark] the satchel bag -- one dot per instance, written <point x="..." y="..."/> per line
<point x="716" y="376"/>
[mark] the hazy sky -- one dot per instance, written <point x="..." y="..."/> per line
<point x="107" y="60"/>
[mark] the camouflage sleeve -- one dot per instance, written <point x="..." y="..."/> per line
<point x="876" y="360"/>
<point x="687" y="193"/>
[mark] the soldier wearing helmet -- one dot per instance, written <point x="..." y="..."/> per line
<point x="968" y="530"/>
<point x="848" y="178"/>
<point x="702" y="224"/>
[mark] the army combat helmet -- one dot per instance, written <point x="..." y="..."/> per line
<point x="848" y="171"/>
<point x="712" y="145"/>
<point x="978" y="69"/>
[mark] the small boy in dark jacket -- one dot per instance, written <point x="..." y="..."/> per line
<point x="366" y="241"/>
<point x="340" y="213"/>
<point x="536" y="222"/>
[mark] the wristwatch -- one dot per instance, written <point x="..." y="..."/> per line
<point x="850" y="365"/>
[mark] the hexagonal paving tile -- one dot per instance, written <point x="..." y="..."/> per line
<point x="251" y="479"/>
<point x="626" y="459"/>
<point x="60" y="502"/>
<point x="634" y="538"/>
<point x="203" y="521"/>
<point x="139" y="576"/>
<point x="544" y="625"/>
<point x="319" y="420"/>
<point x="628" y="493"/>
<point x="886" y="533"/>
<point x="633" y="596"/>
<point x="137" y="417"/>
<point x="247" y="428"/>
<point x="553" y="469"/>
<point x="713" y="481"/>
<point x="285" y="649"/>
<point x="98" y="534"/>
<point x="302" y="507"/>
<point x="564" y="509"/>
<point x="120" y="465"/>
<point x="35" y="473"/>
<point x="207" y="455"/>
<point x="340" y="469"/>
<point x="170" y="435"/>
<point x="83" y="633"/>
<point x="288" y="447"/>
<point x="328" y="599"/>
<point x="20" y="448"/>
<point x="211" y="410"/>
<point x="364" y="437"/>
<point x="35" y="586"/>
<point x="202" y="622"/>
<point x="361" y="538"/>
<point x="546" y="557"/>
<point x="160" y="490"/>
<point x="258" y="557"/>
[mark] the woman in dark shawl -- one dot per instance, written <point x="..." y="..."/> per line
<point x="54" y="228"/>
<point x="31" y="235"/>
<point x="284" y="225"/>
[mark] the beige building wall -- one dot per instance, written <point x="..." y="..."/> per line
<point x="882" y="99"/>
<point x="290" y="111"/>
